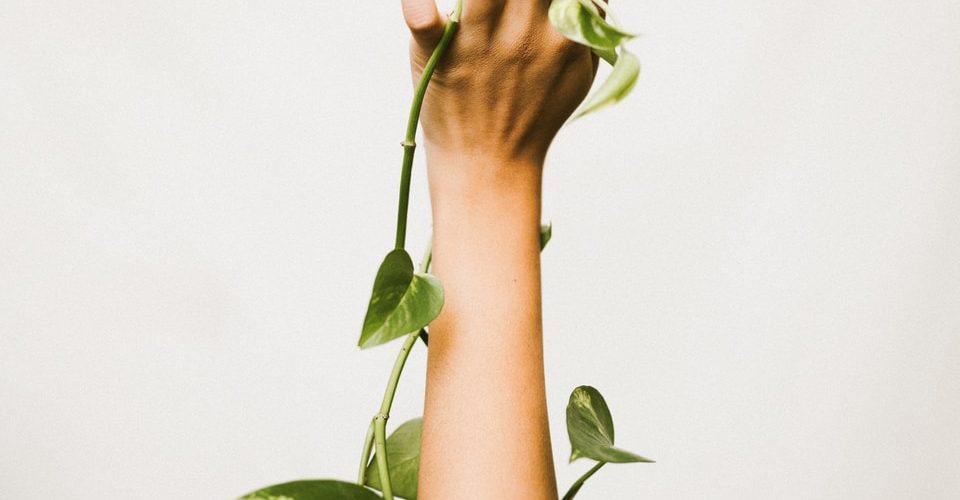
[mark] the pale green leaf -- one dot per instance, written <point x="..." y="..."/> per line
<point x="403" y="456"/>
<point x="617" y="86"/>
<point x="605" y="18"/>
<point x="402" y="301"/>
<point x="584" y="25"/>
<point x="590" y="428"/>
<point x="609" y="55"/>
<point x="314" y="489"/>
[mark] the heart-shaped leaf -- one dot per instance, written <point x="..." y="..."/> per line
<point x="313" y="489"/>
<point x="590" y="428"/>
<point x="584" y="25"/>
<point x="402" y="301"/>
<point x="403" y="455"/>
<point x="617" y="86"/>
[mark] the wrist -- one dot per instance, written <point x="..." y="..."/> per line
<point x="474" y="176"/>
<point x="485" y="191"/>
<point x="475" y="144"/>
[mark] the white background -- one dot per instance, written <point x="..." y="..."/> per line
<point x="756" y="257"/>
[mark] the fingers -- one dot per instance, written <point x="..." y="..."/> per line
<point x="424" y="21"/>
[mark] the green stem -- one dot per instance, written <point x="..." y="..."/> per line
<point x="409" y="141"/>
<point x="365" y="455"/>
<point x="380" y="421"/>
<point x="427" y="257"/>
<point x="380" y="436"/>
<point x="391" y="390"/>
<point x="575" y="488"/>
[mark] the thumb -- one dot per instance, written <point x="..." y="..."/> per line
<point x="424" y="21"/>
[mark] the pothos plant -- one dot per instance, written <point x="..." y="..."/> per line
<point x="405" y="300"/>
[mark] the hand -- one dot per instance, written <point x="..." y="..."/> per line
<point x="506" y="85"/>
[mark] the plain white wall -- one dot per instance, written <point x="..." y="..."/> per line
<point x="756" y="257"/>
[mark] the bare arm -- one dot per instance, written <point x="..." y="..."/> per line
<point x="498" y="98"/>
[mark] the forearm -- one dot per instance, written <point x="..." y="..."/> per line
<point x="485" y="429"/>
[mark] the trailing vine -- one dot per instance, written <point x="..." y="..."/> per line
<point x="405" y="300"/>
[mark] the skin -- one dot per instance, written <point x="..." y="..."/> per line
<point x="495" y="103"/>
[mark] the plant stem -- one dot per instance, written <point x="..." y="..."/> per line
<point x="365" y="455"/>
<point x="409" y="141"/>
<point x="391" y="390"/>
<point x="383" y="468"/>
<point x="427" y="257"/>
<point x="575" y="488"/>
<point x="380" y="421"/>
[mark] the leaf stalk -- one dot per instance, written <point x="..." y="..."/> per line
<point x="575" y="487"/>
<point x="365" y="455"/>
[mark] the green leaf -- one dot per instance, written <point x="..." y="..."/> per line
<point x="312" y="489"/>
<point x="609" y="55"/>
<point x="584" y="25"/>
<point x="402" y="301"/>
<point x="591" y="6"/>
<point x="590" y="428"/>
<point x="403" y="455"/>
<point x="546" y="232"/>
<point x="617" y="86"/>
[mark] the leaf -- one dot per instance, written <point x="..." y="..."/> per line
<point x="609" y="55"/>
<point x="546" y="232"/>
<point x="585" y="25"/>
<point x="403" y="456"/>
<point x="402" y="301"/>
<point x="590" y="427"/>
<point x="591" y="6"/>
<point x="617" y="86"/>
<point x="313" y="489"/>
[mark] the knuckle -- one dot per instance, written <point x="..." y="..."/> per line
<point x="422" y="25"/>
